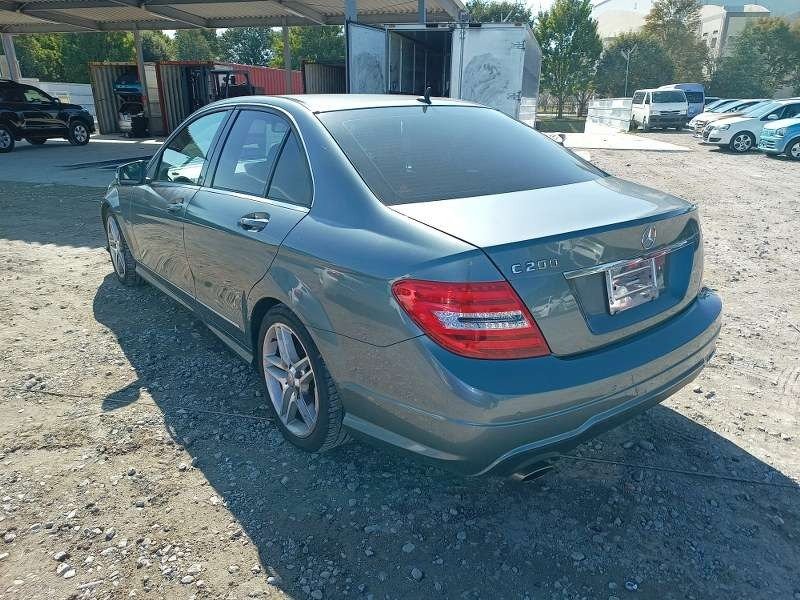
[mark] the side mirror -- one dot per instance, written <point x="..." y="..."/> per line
<point x="772" y="117"/>
<point x="56" y="100"/>
<point x="132" y="173"/>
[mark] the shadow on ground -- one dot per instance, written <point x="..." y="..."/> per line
<point x="589" y="529"/>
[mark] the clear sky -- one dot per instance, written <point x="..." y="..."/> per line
<point x="537" y="5"/>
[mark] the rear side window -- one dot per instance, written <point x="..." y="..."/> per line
<point x="421" y="153"/>
<point x="250" y="151"/>
<point x="638" y="98"/>
<point x="669" y="96"/>
<point x="187" y="153"/>
<point x="292" y="180"/>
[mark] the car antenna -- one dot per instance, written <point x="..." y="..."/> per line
<point x="427" y="98"/>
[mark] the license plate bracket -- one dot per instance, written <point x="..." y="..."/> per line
<point x="631" y="284"/>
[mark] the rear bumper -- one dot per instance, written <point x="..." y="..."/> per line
<point x="495" y="417"/>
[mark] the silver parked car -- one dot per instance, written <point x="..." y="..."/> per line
<point x="428" y="273"/>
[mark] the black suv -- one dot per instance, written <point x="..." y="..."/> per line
<point x="28" y="113"/>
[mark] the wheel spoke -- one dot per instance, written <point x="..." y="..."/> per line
<point x="277" y="374"/>
<point x="275" y="361"/>
<point x="286" y="345"/>
<point x="287" y="399"/>
<point x="309" y="417"/>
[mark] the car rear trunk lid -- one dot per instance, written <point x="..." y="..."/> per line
<point x="564" y="248"/>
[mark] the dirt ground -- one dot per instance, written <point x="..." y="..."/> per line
<point x="136" y="459"/>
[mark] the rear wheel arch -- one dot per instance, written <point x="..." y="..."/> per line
<point x="788" y="148"/>
<point x="261" y="308"/>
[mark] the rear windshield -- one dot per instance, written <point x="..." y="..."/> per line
<point x="415" y="154"/>
<point x="669" y="96"/>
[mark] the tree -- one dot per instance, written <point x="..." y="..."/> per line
<point x="650" y="65"/>
<point x="324" y="44"/>
<point x="765" y="58"/>
<point x="675" y="24"/>
<point x="247" y="45"/>
<point x="487" y="11"/>
<point x="156" y="46"/>
<point x="570" y="46"/>
<point x="196" y="44"/>
<point x="80" y="49"/>
<point x="40" y="55"/>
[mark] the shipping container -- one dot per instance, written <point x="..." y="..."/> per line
<point x="186" y="86"/>
<point x="324" y="79"/>
<point x="107" y="103"/>
<point x="496" y="64"/>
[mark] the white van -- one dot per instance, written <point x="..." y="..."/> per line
<point x="659" y="108"/>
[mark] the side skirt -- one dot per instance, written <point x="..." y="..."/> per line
<point x="189" y="304"/>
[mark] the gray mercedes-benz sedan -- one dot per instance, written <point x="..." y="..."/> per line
<point x="431" y="274"/>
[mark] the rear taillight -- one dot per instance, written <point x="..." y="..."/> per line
<point x="478" y="320"/>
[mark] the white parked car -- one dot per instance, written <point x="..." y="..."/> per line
<point x="728" y="109"/>
<point x="659" y="108"/>
<point x="741" y="133"/>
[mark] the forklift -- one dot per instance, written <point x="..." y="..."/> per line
<point x="206" y="84"/>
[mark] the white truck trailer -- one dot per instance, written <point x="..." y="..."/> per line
<point x="495" y="64"/>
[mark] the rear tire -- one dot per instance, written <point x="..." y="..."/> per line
<point x="793" y="149"/>
<point x="36" y="141"/>
<point x="742" y="142"/>
<point x="121" y="258"/>
<point x="78" y="133"/>
<point x="6" y="139"/>
<point x="292" y="371"/>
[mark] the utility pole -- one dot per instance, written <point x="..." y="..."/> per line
<point x="626" y="54"/>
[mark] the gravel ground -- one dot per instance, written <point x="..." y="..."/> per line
<point x="136" y="459"/>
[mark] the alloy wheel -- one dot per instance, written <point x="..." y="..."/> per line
<point x="79" y="133"/>
<point x="794" y="151"/>
<point x="115" y="246"/>
<point x="290" y="380"/>
<point x="5" y="139"/>
<point x="742" y="142"/>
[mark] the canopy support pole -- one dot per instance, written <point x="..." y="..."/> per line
<point x="11" y="57"/>
<point x="421" y="11"/>
<point x="287" y="57"/>
<point x="137" y="41"/>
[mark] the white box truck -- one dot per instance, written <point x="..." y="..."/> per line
<point x="495" y="64"/>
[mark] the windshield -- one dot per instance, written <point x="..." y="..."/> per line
<point x="742" y="106"/>
<point x="722" y="106"/>
<point x="762" y="109"/>
<point x="420" y="153"/>
<point x="670" y="96"/>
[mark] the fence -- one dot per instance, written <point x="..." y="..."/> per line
<point x="611" y="112"/>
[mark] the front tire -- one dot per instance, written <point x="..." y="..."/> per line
<point x="6" y="139"/>
<point x="121" y="257"/>
<point x="301" y="394"/>
<point x="78" y="133"/>
<point x="742" y="142"/>
<point x="793" y="149"/>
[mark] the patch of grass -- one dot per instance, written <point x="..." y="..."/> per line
<point x="567" y="124"/>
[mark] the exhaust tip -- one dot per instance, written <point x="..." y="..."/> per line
<point x="530" y="473"/>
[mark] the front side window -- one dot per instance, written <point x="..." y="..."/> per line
<point x="792" y="110"/>
<point x="694" y="97"/>
<point x="35" y="96"/>
<point x="638" y="97"/>
<point x="421" y="153"/>
<point x="250" y="151"/>
<point x="187" y="153"/>
<point x="292" y="181"/>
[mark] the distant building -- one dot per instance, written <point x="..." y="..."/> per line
<point x="720" y="25"/>
<point x="620" y="16"/>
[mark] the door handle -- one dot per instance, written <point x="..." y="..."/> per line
<point x="254" y="221"/>
<point x="175" y="206"/>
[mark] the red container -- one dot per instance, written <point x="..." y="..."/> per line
<point x="271" y="81"/>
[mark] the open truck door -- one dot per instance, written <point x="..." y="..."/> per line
<point x="490" y="67"/>
<point x="366" y="59"/>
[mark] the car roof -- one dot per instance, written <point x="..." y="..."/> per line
<point x="330" y="102"/>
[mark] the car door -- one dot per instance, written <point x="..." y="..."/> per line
<point x="157" y="207"/>
<point x="40" y="111"/>
<point x="261" y="188"/>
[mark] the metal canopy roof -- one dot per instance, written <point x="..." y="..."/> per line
<point x="40" y="16"/>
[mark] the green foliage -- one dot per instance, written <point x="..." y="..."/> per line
<point x="247" y="45"/>
<point x="196" y="44"/>
<point x="571" y="48"/>
<point x="765" y="58"/>
<point x="39" y="55"/>
<point x="157" y="46"/>
<point x="674" y="24"/>
<point x="488" y="11"/>
<point x="315" y="44"/>
<point x="650" y="65"/>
